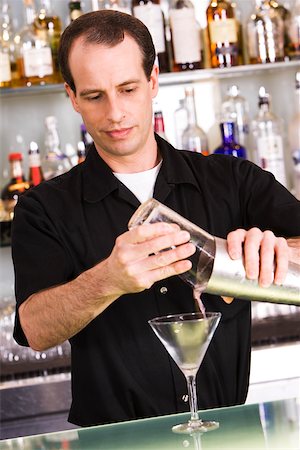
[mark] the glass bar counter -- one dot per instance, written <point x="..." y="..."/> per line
<point x="271" y="425"/>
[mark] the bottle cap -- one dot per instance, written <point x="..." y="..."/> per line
<point x="15" y="156"/>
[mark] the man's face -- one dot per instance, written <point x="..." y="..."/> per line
<point x="114" y="97"/>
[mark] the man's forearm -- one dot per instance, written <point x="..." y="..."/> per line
<point x="51" y="316"/>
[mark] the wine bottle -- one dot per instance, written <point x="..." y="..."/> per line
<point x="193" y="137"/>
<point x="265" y="34"/>
<point x="294" y="140"/>
<point x="267" y="132"/>
<point x="35" y="176"/>
<point x="223" y="34"/>
<point x="17" y="184"/>
<point x="229" y="144"/>
<point x="151" y="14"/>
<point x="35" y="62"/>
<point x="186" y="41"/>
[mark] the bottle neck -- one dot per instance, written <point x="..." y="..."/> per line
<point x="227" y="132"/>
<point x="191" y="110"/>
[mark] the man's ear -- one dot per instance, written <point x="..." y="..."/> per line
<point x="72" y="97"/>
<point x="154" y="80"/>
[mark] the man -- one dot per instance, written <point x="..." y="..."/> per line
<point x="81" y="275"/>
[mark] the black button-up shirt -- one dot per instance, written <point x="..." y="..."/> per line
<point x="120" y="370"/>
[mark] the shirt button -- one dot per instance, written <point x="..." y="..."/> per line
<point x="185" y="398"/>
<point x="163" y="290"/>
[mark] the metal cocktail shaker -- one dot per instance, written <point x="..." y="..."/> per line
<point x="213" y="271"/>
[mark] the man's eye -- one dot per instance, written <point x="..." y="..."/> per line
<point x="129" y="90"/>
<point x="96" y="97"/>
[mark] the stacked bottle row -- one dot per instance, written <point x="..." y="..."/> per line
<point x="260" y="139"/>
<point x="270" y="34"/>
<point x="55" y="162"/>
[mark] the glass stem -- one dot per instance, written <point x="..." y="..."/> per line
<point x="192" y="393"/>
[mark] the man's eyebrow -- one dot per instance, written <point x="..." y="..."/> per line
<point x="86" y="92"/>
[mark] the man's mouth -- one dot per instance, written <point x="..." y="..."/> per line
<point x="118" y="133"/>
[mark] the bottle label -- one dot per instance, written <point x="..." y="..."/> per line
<point x="37" y="62"/>
<point x="252" y="41"/>
<point x="34" y="160"/>
<point x="270" y="153"/>
<point x="75" y="14"/>
<point x="151" y="15"/>
<point x="185" y="35"/>
<point x="223" y="31"/>
<point x="5" y="72"/>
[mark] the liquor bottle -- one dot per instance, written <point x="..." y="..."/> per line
<point x="186" y="40"/>
<point x="48" y="27"/>
<point x="229" y="145"/>
<point x="267" y="132"/>
<point x="75" y="10"/>
<point x="17" y="184"/>
<point x="223" y="34"/>
<point x="193" y="137"/>
<point x="294" y="140"/>
<point x="81" y="152"/>
<point x="159" y="125"/>
<point x="7" y="53"/>
<point x="265" y="34"/>
<point x="292" y="26"/>
<point x="180" y="122"/>
<point x="34" y="61"/>
<point x="35" y="176"/>
<point x="235" y="109"/>
<point x="151" y="14"/>
<point x="56" y="162"/>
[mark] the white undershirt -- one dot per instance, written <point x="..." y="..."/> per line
<point x="140" y="183"/>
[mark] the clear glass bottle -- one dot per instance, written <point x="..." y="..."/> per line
<point x="265" y="34"/>
<point x="224" y="34"/>
<point x="34" y="61"/>
<point x="56" y="162"/>
<point x="292" y="26"/>
<point x="186" y="38"/>
<point x="229" y="144"/>
<point x="268" y="135"/>
<point x="294" y="140"/>
<point x="180" y="122"/>
<point x="16" y="185"/>
<point x="75" y="10"/>
<point x="151" y="14"/>
<point x="36" y="175"/>
<point x="48" y="27"/>
<point x="235" y="109"/>
<point x="193" y="137"/>
<point x="159" y="125"/>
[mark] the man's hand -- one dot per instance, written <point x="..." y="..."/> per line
<point x="265" y="255"/>
<point x="146" y="254"/>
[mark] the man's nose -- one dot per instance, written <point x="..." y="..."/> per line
<point x="114" y="110"/>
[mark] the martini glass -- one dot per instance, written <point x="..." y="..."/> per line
<point x="186" y="338"/>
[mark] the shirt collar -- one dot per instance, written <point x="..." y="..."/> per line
<point x="99" y="181"/>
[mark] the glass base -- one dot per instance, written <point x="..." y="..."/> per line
<point x="195" y="426"/>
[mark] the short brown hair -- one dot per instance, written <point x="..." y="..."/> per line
<point x="108" y="28"/>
